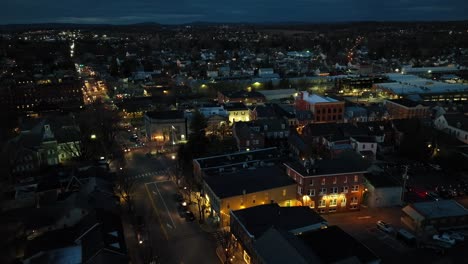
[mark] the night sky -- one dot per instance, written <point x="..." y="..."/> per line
<point x="183" y="11"/>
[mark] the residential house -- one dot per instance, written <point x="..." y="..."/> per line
<point x="365" y="146"/>
<point x="355" y="114"/>
<point x="247" y="138"/>
<point x="455" y="125"/>
<point x="263" y="112"/>
<point x="330" y="185"/>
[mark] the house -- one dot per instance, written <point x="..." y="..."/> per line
<point x="251" y="225"/>
<point x="166" y="127"/>
<point x="263" y="112"/>
<point x="238" y="160"/>
<point x="365" y="146"/>
<point x="439" y="215"/>
<point x="354" y="114"/>
<point x="381" y="190"/>
<point x="237" y="112"/>
<point x="330" y="185"/>
<point x="278" y="94"/>
<point x="247" y="138"/>
<point x="404" y="108"/>
<point x="247" y="187"/>
<point x="324" y="109"/>
<point x="245" y="97"/>
<point x="287" y="111"/>
<point x="455" y="125"/>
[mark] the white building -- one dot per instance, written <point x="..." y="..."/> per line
<point x="455" y="125"/>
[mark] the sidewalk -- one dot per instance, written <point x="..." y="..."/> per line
<point x="131" y="240"/>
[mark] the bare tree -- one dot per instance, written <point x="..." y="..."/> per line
<point x="124" y="189"/>
<point x="226" y="245"/>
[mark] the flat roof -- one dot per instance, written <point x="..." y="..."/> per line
<point x="439" y="209"/>
<point x="314" y="98"/>
<point x="411" y="84"/>
<point x="238" y="157"/>
<point x="381" y="180"/>
<point x="247" y="181"/>
<point x="333" y="245"/>
<point x="259" y="219"/>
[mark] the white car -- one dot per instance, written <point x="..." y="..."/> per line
<point x="454" y="235"/>
<point x="444" y="239"/>
<point x="384" y="226"/>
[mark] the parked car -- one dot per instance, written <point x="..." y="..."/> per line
<point x="384" y="226"/>
<point x="444" y="239"/>
<point x="189" y="216"/>
<point x="454" y="235"/>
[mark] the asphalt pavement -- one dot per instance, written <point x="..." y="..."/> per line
<point x="169" y="238"/>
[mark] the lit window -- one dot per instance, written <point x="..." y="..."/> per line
<point x="343" y="202"/>
<point x="284" y="192"/>
<point x="322" y="203"/>
<point x="333" y="202"/>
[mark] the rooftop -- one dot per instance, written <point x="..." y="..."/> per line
<point x="405" y="102"/>
<point x="348" y="162"/>
<point x="235" y="106"/>
<point x="411" y="84"/>
<point x="457" y="121"/>
<point x="439" y="209"/>
<point x="238" y="157"/>
<point x="247" y="181"/>
<point x="259" y="219"/>
<point x="174" y="114"/>
<point x="321" y="241"/>
<point x="314" y="98"/>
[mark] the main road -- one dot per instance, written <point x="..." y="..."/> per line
<point x="168" y="238"/>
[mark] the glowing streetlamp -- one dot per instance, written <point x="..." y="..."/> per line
<point x="93" y="136"/>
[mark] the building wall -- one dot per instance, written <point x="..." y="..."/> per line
<point x="161" y="131"/>
<point x="328" y="112"/>
<point x="382" y="197"/>
<point x="397" y="111"/>
<point x="343" y="192"/>
<point x="365" y="146"/>
<point x="460" y="134"/>
<point x="238" y="116"/>
<point x="284" y="196"/>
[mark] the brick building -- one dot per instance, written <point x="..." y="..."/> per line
<point x="324" y="109"/>
<point x="330" y="185"/>
<point x="405" y="108"/>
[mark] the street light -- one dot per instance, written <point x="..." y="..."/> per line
<point x="93" y="136"/>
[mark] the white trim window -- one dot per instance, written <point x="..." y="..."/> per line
<point x="323" y="191"/>
<point x="345" y="189"/>
<point x="333" y="202"/>
<point x="322" y="203"/>
<point x="299" y="190"/>
<point x="334" y="190"/>
<point x="311" y="192"/>
<point x="354" y="200"/>
<point x="355" y="188"/>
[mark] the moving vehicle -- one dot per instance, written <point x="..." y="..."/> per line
<point x="384" y="226"/>
<point x="445" y="239"/>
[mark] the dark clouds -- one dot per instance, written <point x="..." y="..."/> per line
<point x="183" y="11"/>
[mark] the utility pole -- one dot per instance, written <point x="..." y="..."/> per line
<point x="405" y="178"/>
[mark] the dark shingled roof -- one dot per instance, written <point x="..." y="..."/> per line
<point x="248" y="180"/>
<point x="175" y="114"/>
<point x="323" y="241"/>
<point x="235" y="106"/>
<point x="259" y="219"/>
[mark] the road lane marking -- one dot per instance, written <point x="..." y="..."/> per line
<point x="165" y="205"/>
<point x="154" y="208"/>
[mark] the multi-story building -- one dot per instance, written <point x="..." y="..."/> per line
<point x="167" y="127"/>
<point x="330" y="185"/>
<point x="237" y="112"/>
<point x="324" y="109"/>
<point x="405" y="108"/>
<point x="251" y="186"/>
<point x="245" y="97"/>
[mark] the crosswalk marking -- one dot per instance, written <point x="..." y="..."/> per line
<point x="148" y="174"/>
